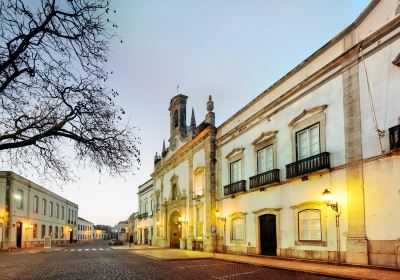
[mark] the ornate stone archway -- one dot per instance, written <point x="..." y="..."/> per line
<point x="175" y="229"/>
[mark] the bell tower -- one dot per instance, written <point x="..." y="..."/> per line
<point x="177" y="113"/>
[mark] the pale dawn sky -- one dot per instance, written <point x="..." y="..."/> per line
<point x="231" y="49"/>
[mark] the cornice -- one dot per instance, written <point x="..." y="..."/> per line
<point x="339" y="61"/>
<point x="308" y="60"/>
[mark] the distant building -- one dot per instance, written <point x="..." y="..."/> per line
<point x="132" y="226"/>
<point x="29" y="213"/>
<point x="147" y="204"/>
<point x="123" y="230"/>
<point x="102" y="232"/>
<point x="85" y="230"/>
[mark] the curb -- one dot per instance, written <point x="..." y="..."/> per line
<point x="332" y="275"/>
<point x="338" y="276"/>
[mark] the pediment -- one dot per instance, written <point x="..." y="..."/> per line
<point x="235" y="152"/>
<point x="265" y="136"/>
<point x="307" y="113"/>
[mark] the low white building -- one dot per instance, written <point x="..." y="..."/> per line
<point x="85" y="230"/>
<point x="29" y="212"/>
<point x="145" y="213"/>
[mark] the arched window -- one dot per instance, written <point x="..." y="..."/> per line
<point x="176" y="118"/>
<point x="174" y="192"/>
<point x="310" y="225"/>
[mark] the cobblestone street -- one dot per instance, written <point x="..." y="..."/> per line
<point x="98" y="261"/>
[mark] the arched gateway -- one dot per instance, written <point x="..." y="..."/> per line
<point x="175" y="229"/>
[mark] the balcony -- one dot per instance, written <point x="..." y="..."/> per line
<point x="198" y="194"/>
<point x="265" y="178"/>
<point x="308" y="165"/>
<point x="239" y="186"/>
<point x="394" y="137"/>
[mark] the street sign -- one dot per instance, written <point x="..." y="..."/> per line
<point x="213" y="229"/>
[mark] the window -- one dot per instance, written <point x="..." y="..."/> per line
<point x="50" y="230"/>
<point x="69" y="215"/>
<point x="51" y="208"/>
<point x="34" y="231"/>
<point x="57" y="211"/>
<point x="237" y="229"/>
<point x="236" y="171"/>
<point x="199" y="214"/>
<point x="198" y="185"/>
<point x="62" y="212"/>
<point x="62" y="232"/>
<point x="174" y="192"/>
<point x="308" y="142"/>
<point x="199" y="221"/>
<point x="265" y="159"/>
<point x="310" y="225"/>
<point x="44" y="206"/>
<point x="19" y="199"/>
<point x="43" y="233"/>
<point x="56" y="233"/>
<point x="35" y="204"/>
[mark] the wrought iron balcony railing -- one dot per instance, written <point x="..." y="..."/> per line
<point x="266" y="178"/>
<point x="198" y="194"/>
<point x="394" y="137"/>
<point x="308" y="165"/>
<point x="239" y="186"/>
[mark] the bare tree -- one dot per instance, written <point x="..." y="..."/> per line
<point x="53" y="90"/>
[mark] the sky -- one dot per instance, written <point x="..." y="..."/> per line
<point x="231" y="49"/>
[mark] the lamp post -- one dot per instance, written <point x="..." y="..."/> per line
<point x="327" y="198"/>
<point x="218" y="215"/>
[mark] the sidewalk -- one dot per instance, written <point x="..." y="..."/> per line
<point x="297" y="265"/>
<point x="134" y="247"/>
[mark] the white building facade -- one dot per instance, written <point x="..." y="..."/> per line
<point x="309" y="169"/>
<point x="331" y="123"/>
<point x="144" y="223"/>
<point x="29" y="212"/>
<point x="85" y="230"/>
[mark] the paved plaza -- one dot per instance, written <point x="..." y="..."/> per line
<point x="99" y="261"/>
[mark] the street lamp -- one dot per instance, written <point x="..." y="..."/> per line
<point x="327" y="198"/>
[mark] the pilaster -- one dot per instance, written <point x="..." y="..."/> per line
<point x="356" y="249"/>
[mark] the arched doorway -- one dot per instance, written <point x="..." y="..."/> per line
<point x="175" y="230"/>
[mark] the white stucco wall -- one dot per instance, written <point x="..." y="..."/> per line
<point x="382" y="198"/>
